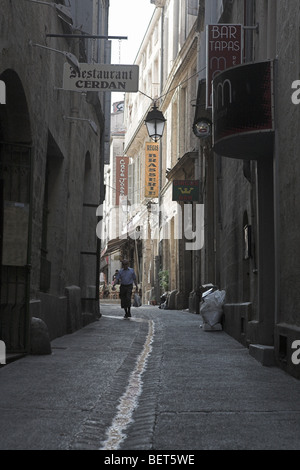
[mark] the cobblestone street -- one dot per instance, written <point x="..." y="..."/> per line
<point x="155" y="382"/>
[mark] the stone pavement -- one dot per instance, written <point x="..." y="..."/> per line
<point x="196" y="390"/>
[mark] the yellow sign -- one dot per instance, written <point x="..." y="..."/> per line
<point x="151" y="169"/>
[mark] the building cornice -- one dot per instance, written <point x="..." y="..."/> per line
<point x="182" y="162"/>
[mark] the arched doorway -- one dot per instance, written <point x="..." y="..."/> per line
<point x="15" y="215"/>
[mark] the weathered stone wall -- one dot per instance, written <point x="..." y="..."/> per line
<point x="71" y="149"/>
<point x="277" y="38"/>
<point x="287" y="185"/>
<point x="288" y="120"/>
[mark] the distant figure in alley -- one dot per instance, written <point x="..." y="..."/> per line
<point x="126" y="276"/>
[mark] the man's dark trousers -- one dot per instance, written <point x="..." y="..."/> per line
<point x="125" y="295"/>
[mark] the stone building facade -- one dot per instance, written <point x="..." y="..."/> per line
<point x="255" y="215"/>
<point x="52" y="156"/>
<point x="167" y="60"/>
<point x="111" y="246"/>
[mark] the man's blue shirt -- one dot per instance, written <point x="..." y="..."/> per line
<point x="126" y="276"/>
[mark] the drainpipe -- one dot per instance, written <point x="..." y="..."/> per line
<point x="161" y="89"/>
<point x="157" y="258"/>
<point x="271" y="37"/>
<point x="271" y="54"/>
<point x="249" y="21"/>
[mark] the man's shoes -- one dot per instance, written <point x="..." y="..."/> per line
<point x="127" y="313"/>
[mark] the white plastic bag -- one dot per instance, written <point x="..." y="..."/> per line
<point x="137" y="301"/>
<point x="212" y="307"/>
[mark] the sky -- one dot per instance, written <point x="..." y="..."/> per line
<point x="127" y="18"/>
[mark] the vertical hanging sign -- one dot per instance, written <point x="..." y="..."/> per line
<point x="151" y="169"/>
<point x="121" y="178"/>
<point x="224" y="50"/>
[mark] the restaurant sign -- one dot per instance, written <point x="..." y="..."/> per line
<point x="101" y="77"/>
<point x="186" y="190"/>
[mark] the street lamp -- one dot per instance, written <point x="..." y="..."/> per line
<point x="91" y="123"/>
<point x="62" y="12"/>
<point x="72" y="60"/>
<point x="155" y="123"/>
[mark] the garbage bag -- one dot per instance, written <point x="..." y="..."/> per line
<point x="212" y="307"/>
<point x="137" y="301"/>
<point x="164" y="300"/>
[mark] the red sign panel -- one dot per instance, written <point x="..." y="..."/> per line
<point x="121" y="178"/>
<point x="243" y="111"/>
<point x="224" y="50"/>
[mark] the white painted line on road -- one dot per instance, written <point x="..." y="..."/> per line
<point x="129" y="400"/>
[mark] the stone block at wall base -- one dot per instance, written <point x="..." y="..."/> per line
<point x="53" y="311"/>
<point x="194" y="302"/>
<point x="235" y="321"/>
<point x="263" y="354"/>
<point x="181" y="301"/>
<point x="172" y="300"/>
<point x="91" y="308"/>
<point x="74" y="310"/>
<point x="88" y="318"/>
<point x="39" y="337"/>
<point x="65" y="314"/>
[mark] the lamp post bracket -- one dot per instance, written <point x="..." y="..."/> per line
<point x="84" y="36"/>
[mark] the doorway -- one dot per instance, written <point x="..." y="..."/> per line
<point x="15" y="216"/>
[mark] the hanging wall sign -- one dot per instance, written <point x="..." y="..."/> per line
<point x="151" y="169"/>
<point x="185" y="190"/>
<point x="243" y="111"/>
<point x="121" y="178"/>
<point x="224" y="50"/>
<point x="101" y="77"/>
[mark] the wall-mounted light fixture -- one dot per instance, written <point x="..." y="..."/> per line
<point x="202" y="125"/>
<point x="62" y="11"/>
<point x="155" y="123"/>
<point x="73" y="61"/>
<point x="91" y="123"/>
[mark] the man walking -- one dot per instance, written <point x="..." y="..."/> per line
<point x="127" y="277"/>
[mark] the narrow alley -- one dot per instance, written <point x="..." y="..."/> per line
<point x="152" y="383"/>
